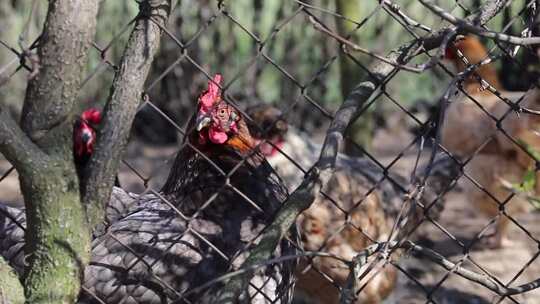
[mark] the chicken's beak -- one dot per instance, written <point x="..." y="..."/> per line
<point x="203" y="121"/>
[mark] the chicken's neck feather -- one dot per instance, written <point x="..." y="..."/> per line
<point x="201" y="171"/>
<point x="487" y="72"/>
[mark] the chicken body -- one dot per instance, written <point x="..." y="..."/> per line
<point x="469" y="130"/>
<point x="188" y="245"/>
<point x="154" y="255"/>
<point x="345" y="222"/>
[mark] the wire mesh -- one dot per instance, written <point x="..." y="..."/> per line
<point x="392" y="223"/>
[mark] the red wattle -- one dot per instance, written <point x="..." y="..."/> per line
<point x="216" y="136"/>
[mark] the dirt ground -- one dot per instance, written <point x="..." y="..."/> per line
<point x="459" y="219"/>
<point x="463" y="222"/>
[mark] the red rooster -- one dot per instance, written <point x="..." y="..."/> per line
<point x="84" y="135"/>
<point x="221" y="194"/>
<point x="84" y="139"/>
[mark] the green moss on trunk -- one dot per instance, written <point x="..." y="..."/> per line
<point x="11" y="290"/>
<point x="58" y="248"/>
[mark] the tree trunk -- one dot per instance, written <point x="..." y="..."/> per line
<point x="11" y="290"/>
<point x="58" y="237"/>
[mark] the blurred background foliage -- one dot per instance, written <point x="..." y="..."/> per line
<point x="290" y="64"/>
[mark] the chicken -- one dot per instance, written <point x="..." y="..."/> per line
<point x="84" y="136"/>
<point x="469" y="130"/>
<point x="357" y="209"/>
<point x="524" y="128"/>
<point x="84" y="139"/>
<point x="219" y="196"/>
<point x="464" y="109"/>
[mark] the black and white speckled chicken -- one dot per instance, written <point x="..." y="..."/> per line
<point x="218" y="198"/>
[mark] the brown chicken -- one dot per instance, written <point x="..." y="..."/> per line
<point x="467" y="111"/>
<point x="468" y="130"/>
<point x="357" y="209"/>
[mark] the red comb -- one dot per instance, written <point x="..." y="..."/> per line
<point x="92" y="115"/>
<point x="208" y="98"/>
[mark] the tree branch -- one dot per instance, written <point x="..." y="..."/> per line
<point x="488" y="10"/>
<point x="355" y="47"/>
<point x="57" y="238"/>
<point x="465" y="25"/>
<point x="318" y="176"/>
<point x="124" y="98"/>
<point x="472" y="276"/>
<point x="348" y="294"/>
<point x="396" y="9"/>
<point x="323" y="170"/>
<point x="440" y="260"/>
<point x="18" y="149"/>
<point x="50" y="96"/>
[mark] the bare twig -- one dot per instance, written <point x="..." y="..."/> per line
<point x="489" y="9"/>
<point x="281" y="259"/>
<point x="355" y="47"/>
<point x="465" y="25"/>
<point x="317" y="177"/>
<point x="349" y="293"/>
<point x="396" y="9"/>
<point x="481" y="279"/>
<point x="425" y="253"/>
<point x="444" y="103"/>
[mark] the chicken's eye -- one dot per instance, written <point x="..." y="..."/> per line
<point x="222" y="112"/>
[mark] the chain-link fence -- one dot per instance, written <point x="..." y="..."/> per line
<point x="437" y="206"/>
